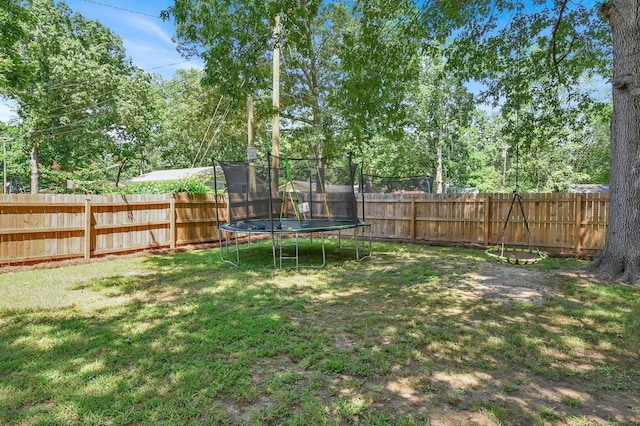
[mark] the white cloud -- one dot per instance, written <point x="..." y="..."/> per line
<point x="144" y="25"/>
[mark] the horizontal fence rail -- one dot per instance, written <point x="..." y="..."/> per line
<point x="36" y="228"/>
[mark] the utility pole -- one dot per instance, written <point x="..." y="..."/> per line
<point x="275" y="131"/>
<point x="4" y="165"/>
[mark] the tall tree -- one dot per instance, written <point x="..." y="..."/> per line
<point x="440" y="109"/>
<point x="620" y="258"/>
<point x="379" y="64"/>
<point x="309" y="75"/>
<point x="132" y="135"/>
<point x="536" y="63"/>
<point x="592" y="149"/>
<point x="70" y="96"/>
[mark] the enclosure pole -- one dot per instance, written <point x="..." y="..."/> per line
<point x="272" y="230"/>
<point x="364" y="219"/>
<point x="275" y="131"/>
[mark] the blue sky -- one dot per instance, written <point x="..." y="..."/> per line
<point x="146" y="37"/>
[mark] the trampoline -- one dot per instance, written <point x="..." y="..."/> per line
<point x="289" y="199"/>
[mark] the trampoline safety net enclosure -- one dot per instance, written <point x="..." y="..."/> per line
<point x="292" y="198"/>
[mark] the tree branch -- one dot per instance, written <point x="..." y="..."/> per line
<point x="296" y="118"/>
<point x="554" y="37"/>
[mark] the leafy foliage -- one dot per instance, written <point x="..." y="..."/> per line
<point x="93" y="178"/>
<point x="14" y="71"/>
<point x="198" y="123"/>
<point x="191" y="186"/>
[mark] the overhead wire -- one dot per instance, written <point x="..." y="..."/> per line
<point x="216" y="132"/>
<point x="123" y="9"/>
<point x="108" y="77"/>
<point x="62" y="126"/>
<point x="411" y="21"/>
<point x="206" y="133"/>
<point x="79" y="109"/>
<point x="89" y="81"/>
<point x="83" y="107"/>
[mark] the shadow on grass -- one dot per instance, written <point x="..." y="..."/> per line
<point x="387" y="341"/>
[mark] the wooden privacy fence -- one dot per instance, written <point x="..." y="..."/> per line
<point x="51" y="227"/>
<point x="567" y="224"/>
<point x="37" y="228"/>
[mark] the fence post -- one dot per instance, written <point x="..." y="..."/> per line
<point x="413" y="219"/>
<point x="487" y="220"/>
<point x="87" y="228"/>
<point x="172" y="222"/>
<point x="578" y="224"/>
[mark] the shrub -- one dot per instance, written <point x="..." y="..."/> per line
<point x="191" y="186"/>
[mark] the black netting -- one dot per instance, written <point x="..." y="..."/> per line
<point x="292" y="189"/>
<point x="248" y="192"/>
<point x="386" y="184"/>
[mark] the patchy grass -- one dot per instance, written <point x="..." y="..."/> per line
<point x="416" y="335"/>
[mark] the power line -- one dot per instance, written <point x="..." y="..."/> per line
<point x="63" y="126"/>
<point x="165" y="66"/>
<point x="80" y="108"/>
<point x="107" y="77"/>
<point x="123" y="9"/>
<point x="217" y="131"/>
<point x="206" y="133"/>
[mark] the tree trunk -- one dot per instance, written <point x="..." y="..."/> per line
<point x="439" y="184"/>
<point x="620" y="258"/>
<point x="35" y="171"/>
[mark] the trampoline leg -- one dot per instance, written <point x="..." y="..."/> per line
<point x="228" y="251"/>
<point x="366" y="242"/>
<point x="224" y="248"/>
<point x="361" y="241"/>
<point x="282" y="247"/>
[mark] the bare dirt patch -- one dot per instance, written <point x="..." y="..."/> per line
<point x="508" y="283"/>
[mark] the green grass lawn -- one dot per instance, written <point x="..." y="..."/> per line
<point x="415" y="335"/>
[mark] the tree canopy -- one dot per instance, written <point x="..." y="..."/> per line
<point x="81" y="101"/>
<point x="450" y="89"/>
